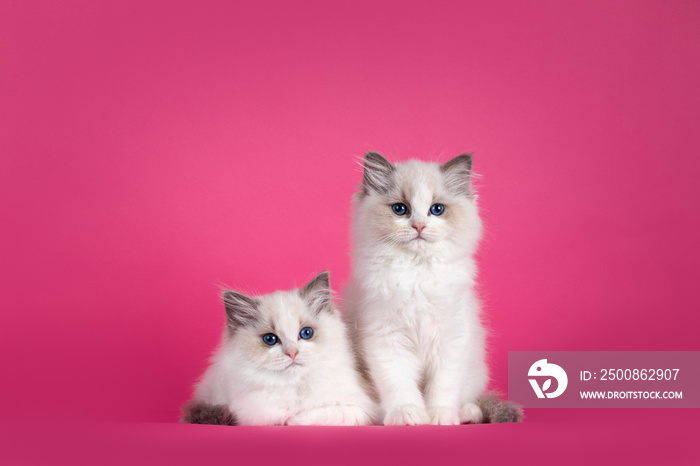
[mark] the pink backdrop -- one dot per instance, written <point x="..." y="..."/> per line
<point x="154" y="150"/>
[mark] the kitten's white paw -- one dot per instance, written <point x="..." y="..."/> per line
<point x="406" y="415"/>
<point x="443" y="416"/>
<point x="331" y="416"/>
<point x="471" y="413"/>
<point x="355" y="416"/>
<point x="304" y="418"/>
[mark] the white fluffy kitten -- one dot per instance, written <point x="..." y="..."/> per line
<point x="284" y="359"/>
<point x="411" y="298"/>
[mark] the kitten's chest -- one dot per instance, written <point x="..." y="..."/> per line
<point x="422" y="282"/>
<point x="273" y="401"/>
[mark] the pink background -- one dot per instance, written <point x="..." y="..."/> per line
<point x="154" y="150"/>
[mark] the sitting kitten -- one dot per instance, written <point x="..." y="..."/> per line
<point x="284" y="359"/>
<point x="416" y="228"/>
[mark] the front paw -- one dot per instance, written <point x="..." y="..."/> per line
<point x="331" y="416"/>
<point x="471" y="414"/>
<point x="406" y="415"/>
<point x="304" y="418"/>
<point x="443" y="416"/>
<point x="354" y="416"/>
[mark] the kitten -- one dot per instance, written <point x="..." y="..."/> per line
<point x="416" y="228"/>
<point x="284" y="359"/>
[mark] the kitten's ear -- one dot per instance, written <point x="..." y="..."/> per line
<point x="458" y="174"/>
<point x="240" y="309"/>
<point x="378" y="174"/>
<point x="317" y="293"/>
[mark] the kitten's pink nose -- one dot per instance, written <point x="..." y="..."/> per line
<point x="292" y="353"/>
<point x="419" y="227"/>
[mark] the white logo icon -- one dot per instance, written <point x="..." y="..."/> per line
<point x="543" y="369"/>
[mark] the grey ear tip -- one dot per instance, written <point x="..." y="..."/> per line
<point x="465" y="159"/>
<point x="324" y="277"/>
<point x="229" y="294"/>
<point x="320" y="281"/>
<point x="376" y="157"/>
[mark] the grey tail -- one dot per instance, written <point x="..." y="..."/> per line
<point x="199" y="412"/>
<point x="497" y="410"/>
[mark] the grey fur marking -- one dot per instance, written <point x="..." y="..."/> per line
<point x="198" y="412"/>
<point x="317" y="293"/>
<point x="378" y="174"/>
<point x="458" y="173"/>
<point x="498" y="411"/>
<point x="240" y="310"/>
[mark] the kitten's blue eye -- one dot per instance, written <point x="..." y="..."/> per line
<point x="306" y="333"/>
<point x="270" y="339"/>
<point x="399" y="209"/>
<point x="437" y="209"/>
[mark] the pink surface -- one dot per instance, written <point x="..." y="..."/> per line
<point x="153" y="150"/>
<point x="570" y="437"/>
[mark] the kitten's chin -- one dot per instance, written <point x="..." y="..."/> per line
<point x="293" y="368"/>
<point x="417" y="244"/>
<point x="286" y="368"/>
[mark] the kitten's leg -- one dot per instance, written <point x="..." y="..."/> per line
<point x="443" y="382"/>
<point x="331" y="416"/>
<point x="475" y="381"/>
<point x="396" y="374"/>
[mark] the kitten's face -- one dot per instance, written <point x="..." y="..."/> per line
<point x="285" y="331"/>
<point x="417" y="206"/>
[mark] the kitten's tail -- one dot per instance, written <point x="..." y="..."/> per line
<point x="200" y="412"/>
<point x="497" y="410"/>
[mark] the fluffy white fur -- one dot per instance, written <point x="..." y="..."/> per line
<point x="411" y="299"/>
<point x="263" y="385"/>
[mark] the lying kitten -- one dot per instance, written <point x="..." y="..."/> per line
<point x="416" y="228"/>
<point x="284" y="360"/>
